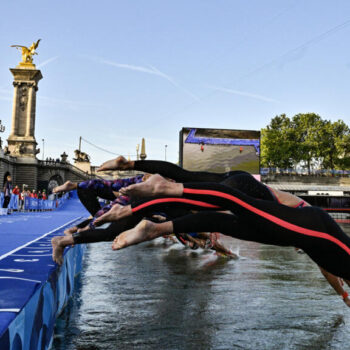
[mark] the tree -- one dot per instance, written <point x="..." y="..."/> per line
<point x="335" y="145"/>
<point x="306" y="130"/>
<point x="277" y="143"/>
<point x="305" y="139"/>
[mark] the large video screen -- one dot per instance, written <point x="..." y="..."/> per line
<point x="220" y="150"/>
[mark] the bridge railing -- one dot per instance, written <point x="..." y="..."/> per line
<point x="304" y="172"/>
<point x="68" y="166"/>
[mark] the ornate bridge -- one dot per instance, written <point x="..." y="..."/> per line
<point x="38" y="174"/>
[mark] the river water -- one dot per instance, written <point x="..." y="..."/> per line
<point x="163" y="296"/>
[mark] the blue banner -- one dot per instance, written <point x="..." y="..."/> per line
<point x="40" y="204"/>
<point x="33" y="203"/>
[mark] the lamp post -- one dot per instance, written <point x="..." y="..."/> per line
<point x="137" y="151"/>
<point x="165" y="147"/>
<point x="2" y="129"/>
<point x="43" y="140"/>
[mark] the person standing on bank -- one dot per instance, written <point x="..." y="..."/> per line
<point x="7" y="191"/>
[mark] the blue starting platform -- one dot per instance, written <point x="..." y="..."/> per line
<point x="33" y="289"/>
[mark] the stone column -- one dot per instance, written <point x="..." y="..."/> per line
<point x="14" y="108"/>
<point x="21" y="142"/>
<point x="29" y="111"/>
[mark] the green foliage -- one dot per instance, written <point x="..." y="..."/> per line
<point x="305" y="139"/>
<point x="277" y="143"/>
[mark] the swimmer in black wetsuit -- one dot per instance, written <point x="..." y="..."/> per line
<point x="88" y="192"/>
<point x="236" y="179"/>
<point x="309" y="228"/>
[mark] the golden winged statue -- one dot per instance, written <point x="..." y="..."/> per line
<point x="27" y="53"/>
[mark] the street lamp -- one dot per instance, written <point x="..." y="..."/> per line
<point x="137" y="151"/>
<point x="165" y="147"/>
<point x="43" y="140"/>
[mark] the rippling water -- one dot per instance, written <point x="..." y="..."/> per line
<point x="157" y="296"/>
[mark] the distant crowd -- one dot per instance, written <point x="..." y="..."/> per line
<point x="9" y="189"/>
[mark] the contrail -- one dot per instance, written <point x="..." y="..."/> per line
<point x="173" y="82"/>
<point x="151" y="70"/>
<point x="244" y="93"/>
<point x="47" y="62"/>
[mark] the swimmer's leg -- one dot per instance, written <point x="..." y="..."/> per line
<point x="156" y="185"/>
<point x="73" y="229"/>
<point x="119" y="163"/>
<point x="166" y="169"/>
<point x="144" y="231"/>
<point x="210" y="221"/>
<point x="106" y="234"/>
<point x="116" y="213"/>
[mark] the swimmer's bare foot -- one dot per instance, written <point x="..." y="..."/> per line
<point x="115" y="213"/>
<point x="58" y="245"/>
<point x="156" y="185"/>
<point x="119" y="163"/>
<point x="70" y="230"/>
<point x="144" y="231"/>
<point x="67" y="186"/>
<point x="57" y="250"/>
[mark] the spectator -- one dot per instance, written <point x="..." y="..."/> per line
<point x="24" y="194"/>
<point x="34" y="194"/>
<point x="16" y="190"/>
<point x="40" y="196"/>
<point x="44" y="195"/>
<point x="7" y="191"/>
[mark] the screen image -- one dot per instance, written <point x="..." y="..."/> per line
<point x="220" y="150"/>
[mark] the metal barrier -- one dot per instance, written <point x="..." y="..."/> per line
<point x="33" y="204"/>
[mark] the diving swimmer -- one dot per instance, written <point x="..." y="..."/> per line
<point x="267" y="222"/>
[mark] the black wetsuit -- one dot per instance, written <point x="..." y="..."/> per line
<point x="235" y="179"/>
<point x="308" y="228"/>
<point x="239" y="179"/>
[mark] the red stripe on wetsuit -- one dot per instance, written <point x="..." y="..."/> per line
<point x="169" y="200"/>
<point x="270" y="217"/>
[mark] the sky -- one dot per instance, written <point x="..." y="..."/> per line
<point x="116" y="71"/>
